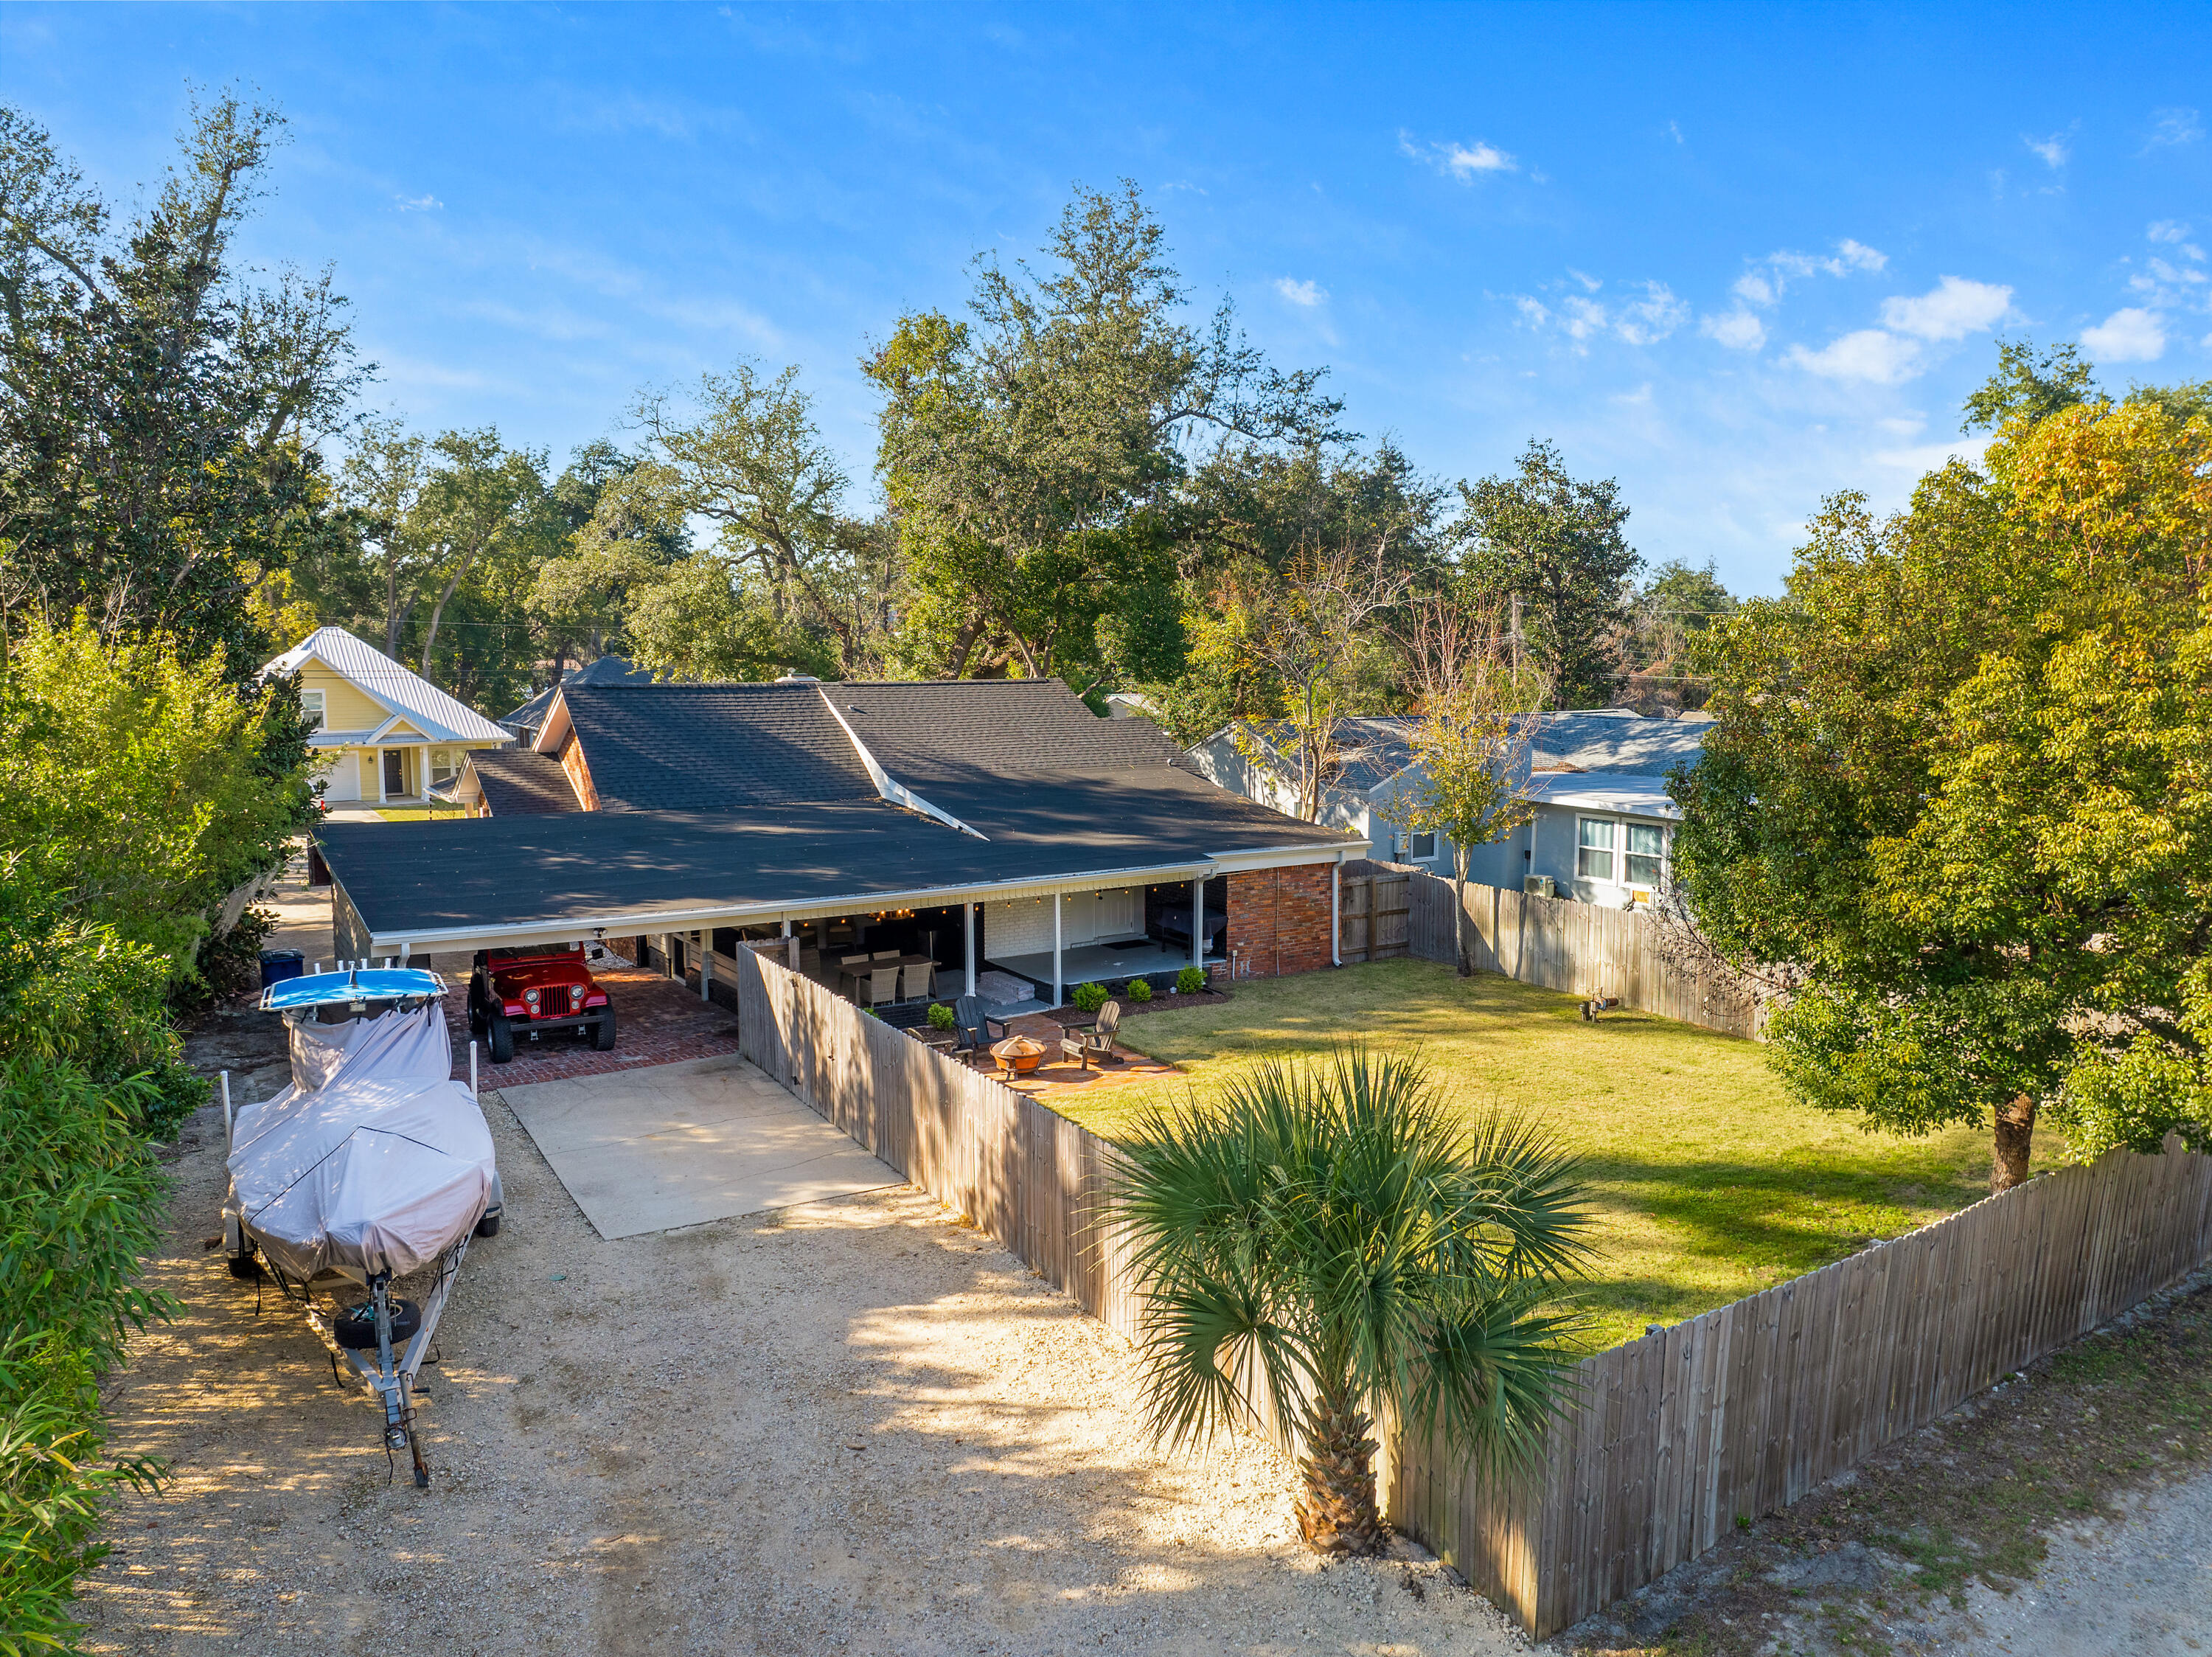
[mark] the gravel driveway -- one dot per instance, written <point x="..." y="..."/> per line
<point x="855" y="1426"/>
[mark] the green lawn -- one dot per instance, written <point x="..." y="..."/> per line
<point x="1708" y="1182"/>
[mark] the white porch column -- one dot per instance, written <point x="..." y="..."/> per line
<point x="967" y="942"/>
<point x="706" y="963"/>
<point x="1058" y="902"/>
<point x="668" y="954"/>
<point x="1335" y="916"/>
<point x="1198" y="921"/>
<point x="790" y="946"/>
<point x="379" y="753"/>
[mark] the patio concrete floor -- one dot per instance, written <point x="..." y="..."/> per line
<point x="672" y="1145"/>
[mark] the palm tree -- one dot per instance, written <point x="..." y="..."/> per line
<point x="1328" y="1242"/>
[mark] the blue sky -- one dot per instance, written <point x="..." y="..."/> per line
<point x="1737" y="258"/>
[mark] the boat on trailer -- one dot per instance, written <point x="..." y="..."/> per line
<point x="372" y="1165"/>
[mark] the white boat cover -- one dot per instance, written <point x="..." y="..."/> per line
<point x="373" y="1161"/>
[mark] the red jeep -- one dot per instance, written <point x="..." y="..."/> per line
<point x="543" y="987"/>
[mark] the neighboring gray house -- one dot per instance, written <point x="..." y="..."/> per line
<point x="1603" y="827"/>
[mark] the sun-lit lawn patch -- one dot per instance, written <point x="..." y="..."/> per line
<point x="1709" y="1182"/>
<point x="419" y="813"/>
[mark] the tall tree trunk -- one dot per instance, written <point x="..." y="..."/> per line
<point x="2015" y="1132"/>
<point x="1336" y="1508"/>
<point x="1459" y="917"/>
<point x="438" y="609"/>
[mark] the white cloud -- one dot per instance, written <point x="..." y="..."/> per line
<point x="1954" y="308"/>
<point x="2132" y="335"/>
<point x="2052" y="150"/>
<point x="1460" y="161"/>
<point x="418" y="203"/>
<point x="2167" y="230"/>
<point x="1590" y="283"/>
<point x="1739" y="330"/>
<point x="1304" y="294"/>
<point x="1643" y="322"/>
<point x="2175" y="126"/>
<point x="1764" y="283"/>
<point x="1868" y="354"/>
<point x="1675" y="128"/>
<point x="1756" y="288"/>
<point x="2165" y="272"/>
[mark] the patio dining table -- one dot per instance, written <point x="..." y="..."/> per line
<point x="859" y="970"/>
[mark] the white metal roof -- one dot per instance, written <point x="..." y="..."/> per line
<point x="391" y="686"/>
<point x="1622" y="791"/>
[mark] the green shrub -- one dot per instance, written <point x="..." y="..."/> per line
<point x="1089" y="997"/>
<point x="80" y="1198"/>
<point x="1190" y="980"/>
<point x="1140" y="988"/>
<point x="82" y="995"/>
<point x="940" y="1016"/>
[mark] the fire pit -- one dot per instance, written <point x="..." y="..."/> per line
<point x="1018" y="1055"/>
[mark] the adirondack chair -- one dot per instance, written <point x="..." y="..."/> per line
<point x="975" y="1028"/>
<point x="1097" y="1042"/>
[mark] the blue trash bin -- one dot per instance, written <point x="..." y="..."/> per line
<point x="278" y="964"/>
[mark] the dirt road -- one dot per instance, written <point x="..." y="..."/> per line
<point x="857" y="1426"/>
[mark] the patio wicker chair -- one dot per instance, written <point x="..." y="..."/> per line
<point x="975" y="1029"/>
<point x="883" y="986"/>
<point x="918" y="983"/>
<point x="1097" y="1042"/>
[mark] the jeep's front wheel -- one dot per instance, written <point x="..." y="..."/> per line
<point x="501" y="1031"/>
<point x="603" y="1033"/>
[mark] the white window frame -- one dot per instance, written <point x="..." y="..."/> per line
<point x="1413" y="852"/>
<point x="1657" y="880"/>
<point x="1610" y="849"/>
<point x="318" y="704"/>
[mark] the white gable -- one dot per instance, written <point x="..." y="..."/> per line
<point x="376" y="675"/>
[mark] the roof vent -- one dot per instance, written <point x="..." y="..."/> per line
<point x="797" y="678"/>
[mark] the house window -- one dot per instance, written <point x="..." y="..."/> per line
<point x="1647" y="850"/>
<point x="1594" y="856"/>
<point x="311" y="703"/>
<point x="1421" y="847"/>
<point x="441" y="764"/>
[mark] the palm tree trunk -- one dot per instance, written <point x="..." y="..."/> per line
<point x="1336" y="1509"/>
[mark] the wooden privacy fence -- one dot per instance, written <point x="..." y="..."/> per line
<point x="1750" y="1407"/>
<point x="1671" y="1438"/>
<point x="1582" y="948"/>
<point x="1372" y="919"/>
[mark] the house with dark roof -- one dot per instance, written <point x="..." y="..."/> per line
<point x="1603" y="825"/>
<point x="993" y="827"/>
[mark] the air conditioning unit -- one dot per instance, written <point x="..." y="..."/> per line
<point x="1540" y="885"/>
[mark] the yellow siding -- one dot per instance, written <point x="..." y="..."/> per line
<point x="347" y="708"/>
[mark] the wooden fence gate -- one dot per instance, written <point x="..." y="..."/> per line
<point x="1373" y="914"/>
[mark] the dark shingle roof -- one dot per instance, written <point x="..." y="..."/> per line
<point x="1005" y="727"/>
<point x="518" y="782"/>
<point x="530" y="718"/>
<point x="698" y="748"/>
<point x="488" y="872"/>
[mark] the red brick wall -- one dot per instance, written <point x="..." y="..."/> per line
<point x="1279" y="919"/>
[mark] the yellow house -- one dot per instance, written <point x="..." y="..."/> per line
<point x="388" y="733"/>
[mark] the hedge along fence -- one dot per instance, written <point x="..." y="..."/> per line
<point x="1671" y="1438"/>
<point x="1557" y="943"/>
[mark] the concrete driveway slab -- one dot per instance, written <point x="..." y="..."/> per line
<point x="678" y="1145"/>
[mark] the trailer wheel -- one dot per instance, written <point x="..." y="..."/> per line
<point x="488" y="1226"/>
<point x="603" y="1033"/>
<point x="501" y="1031"/>
<point x="355" y="1326"/>
<point x="244" y="1266"/>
